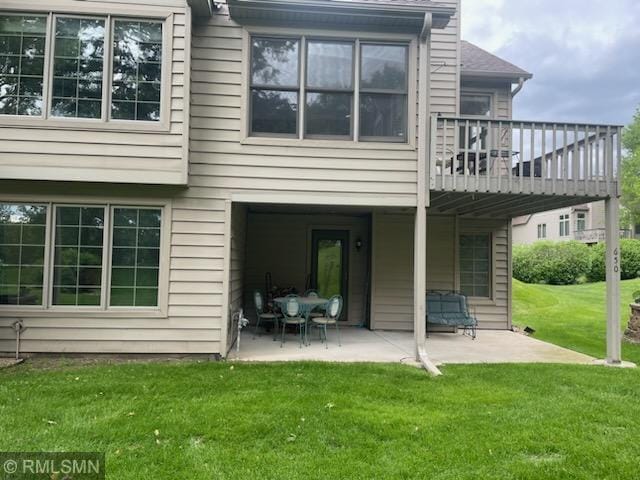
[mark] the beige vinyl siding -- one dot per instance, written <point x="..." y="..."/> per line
<point x="281" y="244"/>
<point x="445" y="64"/>
<point x="95" y="151"/>
<point x="223" y="159"/>
<point x="392" y="272"/>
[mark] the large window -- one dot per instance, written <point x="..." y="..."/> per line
<point x="81" y="81"/>
<point x="89" y="243"/>
<point x="564" y="225"/>
<point x="581" y="222"/>
<point x="22" y="249"/>
<point x="280" y="95"/>
<point x="22" y="48"/>
<point x="475" y="265"/>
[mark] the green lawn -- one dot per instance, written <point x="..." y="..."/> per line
<point x="304" y="420"/>
<point x="207" y="420"/>
<point x="572" y="316"/>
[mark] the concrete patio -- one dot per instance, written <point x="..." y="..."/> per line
<point x="362" y="345"/>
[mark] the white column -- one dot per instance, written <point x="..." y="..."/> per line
<point x="420" y="282"/>
<point x="614" y="337"/>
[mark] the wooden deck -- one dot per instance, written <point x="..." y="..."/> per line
<point x="561" y="163"/>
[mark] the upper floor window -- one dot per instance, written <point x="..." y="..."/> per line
<point x="581" y="222"/>
<point x="22" y="52"/>
<point x="564" y="225"/>
<point x="82" y="83"/>
<point x="475" y="105"/>
<point x="321" y="96"/>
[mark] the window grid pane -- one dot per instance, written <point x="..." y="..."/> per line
<point x="135" y="257"/>
<point x="22" y="45"/>
<point x="475" y="265"/>
<point x="77" y="271"/>
<point x="77" y="67"/>
<point x="22" y="251"/>
<point x="137" y="70"/>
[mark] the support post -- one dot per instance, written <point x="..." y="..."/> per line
<point x="420" y="282"/>
<point x="614" y="337"/>
<point x="422" y="199"/>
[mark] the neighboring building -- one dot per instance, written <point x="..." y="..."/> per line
<point x="159" y="157"/>
<point x="583" y="223"/>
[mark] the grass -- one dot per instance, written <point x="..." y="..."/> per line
<point x="309" y="420"/>
<point x="572" y="316"/>
<point x="207" y="420"/>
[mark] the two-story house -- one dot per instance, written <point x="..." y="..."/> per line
<point x="160" y="158"/>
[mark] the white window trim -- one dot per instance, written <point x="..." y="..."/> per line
<point x="45" y="120"/>
<point x="564" y="226"/>
<point x="49" y="310"/>
<point x="338" y="142"/>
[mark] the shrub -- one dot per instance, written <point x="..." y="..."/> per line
<point x="629" y="261"/>
<point x="556" y="263"/>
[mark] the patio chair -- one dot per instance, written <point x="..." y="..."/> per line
<point x="261" y="315"/>
<point x="292" y="315"/>
<point x="330" y="317"/>
<point x="315" y="294"/>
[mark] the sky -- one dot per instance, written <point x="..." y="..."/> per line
<point x="584" y="54"/>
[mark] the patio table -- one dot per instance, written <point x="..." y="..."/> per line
<point x="307" y="305"/>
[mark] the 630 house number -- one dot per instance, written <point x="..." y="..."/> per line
<point x="616" y="261"/>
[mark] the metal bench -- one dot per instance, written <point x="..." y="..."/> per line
<point x="450" y="309"/>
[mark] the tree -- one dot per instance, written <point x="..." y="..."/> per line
<point x="630" y="174"/>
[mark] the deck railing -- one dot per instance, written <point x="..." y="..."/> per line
<point x="512" y="156"/>
<point x="597" y="235"/>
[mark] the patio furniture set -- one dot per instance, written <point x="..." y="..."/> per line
<point x="301" y="312"/>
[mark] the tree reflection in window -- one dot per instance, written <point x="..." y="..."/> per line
<point x="22" y="243"/>
<point x="274" y="86"/>
<point x="22" y="45"/>
<point x="137" y="70"/>
<point x="77" y="271"/>
<point x="77" y="67"/>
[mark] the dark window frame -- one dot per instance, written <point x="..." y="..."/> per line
<point x="308" y="89"/>
<point x="261" y="87"/>
<point x="302" y="89"/>
<point x="378" y="91"/>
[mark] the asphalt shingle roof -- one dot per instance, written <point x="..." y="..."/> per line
<point x="476" y="61"/>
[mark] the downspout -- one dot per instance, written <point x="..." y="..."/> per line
<point x="422" y="199"/>
<point x="518" y="88"/>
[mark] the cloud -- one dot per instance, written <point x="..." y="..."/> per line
<point x="584" y="54"/>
